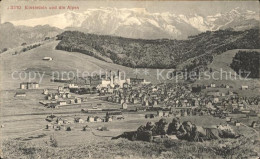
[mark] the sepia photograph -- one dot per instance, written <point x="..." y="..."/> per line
<point x="115" y="79"/>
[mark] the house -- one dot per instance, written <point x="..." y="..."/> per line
<point x="45" y="91"/>
<point x="78" y="120"/>
<point x="166" y="114"/>
<point x="62" y="103"/>
<point x="90" y="119"/>
<point x="60" y="89"/>
<point x="215" y="100"/>
<point x="145" y="103"/>
<point x="160" y="113"/>
<point x="20" y="94"/>
<point x="78" y="100"/>
<point x="136" y="81"/>
<point x="230" y="93"/>
<point x="64" y="96"/>
<point x="68" y="95"/>
<point x="244" y="87"/>
<point x="72" y="85"/>
<point x="115" y="115"/>
<point x="109" y="119"/>
<point x="134" y="100"/>
<point x="97" y="119"/>
<point x="72" y="101"/>
<point x="212" y="85"/>
<point x="47" y="59"/>
<point x="237" y="123"/>
<point x="103" y="128"/>
<point x="140" y="109"/>
<point x="29" y="85"/>
<point x="209" y="105"/>
<point x="183" y="112"/>
<point x="56" y="96"/>
<point x="122" y="101"/>
<point x="155" y="102"/>
<point x="33" y="85"/>
<point x="228" y="119"/>
<point x="149" y="116"/>
<point x="23" y="85"/>
<point x="59" y="121"/>
<point x="254" y="124"/>
<point x="124" y="106"/>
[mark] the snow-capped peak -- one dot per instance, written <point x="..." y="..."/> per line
<point x="135" y="22"/>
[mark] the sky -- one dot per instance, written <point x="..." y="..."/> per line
<point x="177" y="7"/>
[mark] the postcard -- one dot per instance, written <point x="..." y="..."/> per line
<point x="129" y="79"/>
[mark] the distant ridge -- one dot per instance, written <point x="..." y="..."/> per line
<point x="162" y="53"/>
<point x="139" y="23"/>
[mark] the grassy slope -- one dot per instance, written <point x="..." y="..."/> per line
<point x="223" y="62"/>
<point x="63" y="61"/>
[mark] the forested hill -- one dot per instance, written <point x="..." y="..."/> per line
<point x="164" y="53"/>
<point x="248" y="61"/>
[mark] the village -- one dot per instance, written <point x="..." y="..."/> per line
<point x="112" y="99"/>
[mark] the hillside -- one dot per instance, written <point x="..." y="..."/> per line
<point x="31" y="61"/>
<point x="222" y="73"/>
<point x="164" y="53"/>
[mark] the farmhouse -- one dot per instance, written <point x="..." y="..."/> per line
<point x="115" y="115"/>
<point x="244" y="87"/>
<point x="254" y="124"/>
<point x="90" y="119"/>
<point x="136" y="81"/>
<point x="160" y="113"/>
<point x="47" y="59"/>
<point x="20" y="94"/>
<point x="29" y="85"/>
<point x="109" y="119"/>
<point x="149" y="116"/>
<point x="78" y="120"/>
<point x="78" y="100"/>
<point x="97" y="119"/>
<point x="212" y="85"/>
<point x="62" y="102"/>
<point x="124" y="106"/>
<point x="45" y="91"/>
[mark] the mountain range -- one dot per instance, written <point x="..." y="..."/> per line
<point x="13" y="36"/>
<point x="139" y="23"/>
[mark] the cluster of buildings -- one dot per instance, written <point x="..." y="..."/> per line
<point x="116" y="81"/>
<point x="56" y="122"/>
<point x="184" y="99"/>
<point x="29" y="85"/>
<point x="60" y="98"/>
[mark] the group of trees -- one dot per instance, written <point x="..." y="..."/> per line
<point x="163" y="53"/>
<point x="30" y="47"/>
<point x="247" y="62"/>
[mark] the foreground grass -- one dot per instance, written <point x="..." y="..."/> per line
<point x="122" y="148"/>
